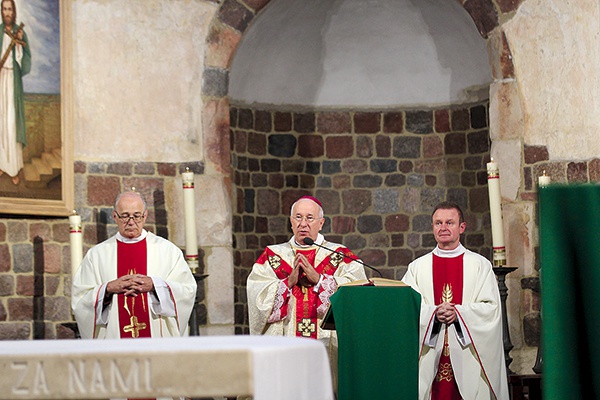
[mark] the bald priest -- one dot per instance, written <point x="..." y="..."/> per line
<point x="135" y="284"/>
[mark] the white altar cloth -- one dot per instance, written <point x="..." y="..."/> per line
<point x="266" y="367"/>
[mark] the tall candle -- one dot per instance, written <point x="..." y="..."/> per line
<point x="189" y="211"/>
<point x="499" y="249"/>
<point x="76" y="237"/>
<point x="543" y="180"/>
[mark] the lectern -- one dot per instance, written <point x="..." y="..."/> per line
<point x="378" y="339"/>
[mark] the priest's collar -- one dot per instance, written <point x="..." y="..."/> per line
<point x="449" y="253"/>
<point x="293" y="243"/>
<point x="123" y="239"/>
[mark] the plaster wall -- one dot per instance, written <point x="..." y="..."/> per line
<point x="556" y="52"/>
<point x="137" y="79"/>
<point x="361" y="53"/>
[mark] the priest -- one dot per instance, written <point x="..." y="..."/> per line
<point x="461" y="354"/>
<point x="290" y="283"/>
<point x="135" y="284"/>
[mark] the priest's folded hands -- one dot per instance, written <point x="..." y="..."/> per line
<point x="130" y="285"/>
<point x="446" y="313"/>
<point x="303" y="274"/>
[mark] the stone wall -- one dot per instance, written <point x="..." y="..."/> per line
<point x="379" y="173"/>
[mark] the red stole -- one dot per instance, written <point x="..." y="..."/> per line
<point x="306" y="302"/>
<point x="134" y="317"/>
<point x="447" y="287"/>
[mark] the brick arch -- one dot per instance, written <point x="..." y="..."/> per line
<point x="233" y="18"/>
<point x="226" y="30"/>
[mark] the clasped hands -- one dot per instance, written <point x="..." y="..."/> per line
<point x="303" y="273"/>
<point x="445" y="313"/>
<point x="130" y="285"/>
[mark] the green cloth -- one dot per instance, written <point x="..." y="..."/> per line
<point x="570" y="282"/>
<point x="378" y="337"/>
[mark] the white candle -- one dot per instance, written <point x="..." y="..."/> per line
<point x="543" y="180"/>
<point x="189" y="211"/>
<point x="499" y="249"/>
<point x="76" y="236"/>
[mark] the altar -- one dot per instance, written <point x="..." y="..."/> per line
<point x="264" y="367"/>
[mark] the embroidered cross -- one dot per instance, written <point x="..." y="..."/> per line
<point x="275" y="261"/>
<point x="306" y="327"/>
<point x="135" y="327"/>
<point x="336" y="259"/>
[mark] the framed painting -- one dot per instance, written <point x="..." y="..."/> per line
<point x="36" y="127"/>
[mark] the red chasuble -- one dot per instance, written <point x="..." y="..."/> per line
<point x="134" y="316"/>
<point x="307" y="300"/>
<point x="447" y="287"/>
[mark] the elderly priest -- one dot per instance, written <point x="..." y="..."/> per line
<point x="135" y="284"/>
<point x="290" y="283"/>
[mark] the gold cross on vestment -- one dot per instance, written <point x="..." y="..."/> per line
<point x="306" y="327"/>
<point x="135" y="327"/>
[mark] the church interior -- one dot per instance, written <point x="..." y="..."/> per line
<point x="380" y="109"/>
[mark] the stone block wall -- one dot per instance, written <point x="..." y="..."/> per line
<point x="536" y="162"/>
<point x="35" y="254"/>
<point x="378" y="173"/>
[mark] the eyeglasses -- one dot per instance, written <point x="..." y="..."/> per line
<point x="137" y="217"/>
<point x="309" y="219"/>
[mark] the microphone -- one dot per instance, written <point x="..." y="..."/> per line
<point x="308" y="241"/>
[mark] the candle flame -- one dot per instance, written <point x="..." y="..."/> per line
<point x="187" y="169"/>
<point x="544" y="172"/>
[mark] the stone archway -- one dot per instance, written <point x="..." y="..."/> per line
<point x="234" y="17"/>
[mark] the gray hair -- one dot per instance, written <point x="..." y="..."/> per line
<point x="296" y="202"/>
<point x="129" y="193"/>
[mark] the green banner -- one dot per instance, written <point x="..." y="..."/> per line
<point x="570" y="283"/>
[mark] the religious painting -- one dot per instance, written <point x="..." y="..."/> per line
<point x="36" y="150"/>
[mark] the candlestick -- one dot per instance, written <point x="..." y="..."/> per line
<point x="76" y="236"/>
<point x="499" y="249"/>
<point x="543" y="180"/>
<point x="189" y="211"/>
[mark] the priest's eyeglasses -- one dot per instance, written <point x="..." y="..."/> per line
<point x="137" y="217"/>
<point x="309" y="218"/>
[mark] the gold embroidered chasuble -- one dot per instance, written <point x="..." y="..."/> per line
<point x="274" y="309"/>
